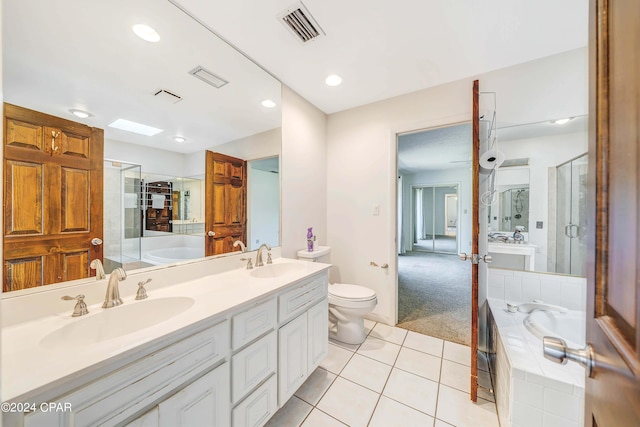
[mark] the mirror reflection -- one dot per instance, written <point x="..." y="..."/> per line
<point x="192" y="96"/>
<point x="537" y="216"/>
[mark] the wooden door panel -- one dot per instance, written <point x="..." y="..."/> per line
<point x="75" y="265"/>
<point x="74" y="200"/>
<point x="21" y="134"/>
<point x="219" y="204"/>
<point x="235" y="171"/>
<point x="23" y="273"/>
<point x="23" y="198"/>
<point x="235" y="205"/>
<point x="53" y="198"/>
<point x="219" y="170"/>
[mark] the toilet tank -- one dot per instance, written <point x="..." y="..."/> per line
<point x="319" y="254"/>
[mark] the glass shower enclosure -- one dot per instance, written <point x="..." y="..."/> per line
<point x="571" y="242"/>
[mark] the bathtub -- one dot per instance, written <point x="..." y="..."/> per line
<point x="529" y="389"/>
<point x="172" y="255"/>
<point x="568" y="326"/>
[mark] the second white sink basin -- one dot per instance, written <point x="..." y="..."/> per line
<point x="115" y="322"/>
<point x="271" y="271"/>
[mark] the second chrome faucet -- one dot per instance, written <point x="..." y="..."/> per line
<point x="112" y="298"/>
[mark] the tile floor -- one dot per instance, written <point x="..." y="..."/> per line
<point x="395" y="378"/>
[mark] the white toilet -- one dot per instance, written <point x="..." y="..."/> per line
<point x="348" y="304"/>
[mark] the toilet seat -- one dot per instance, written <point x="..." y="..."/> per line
<point x="351" y="292"/>
<point x="351" y="296"/>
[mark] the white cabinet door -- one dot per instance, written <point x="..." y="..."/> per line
<point x="150" y="419"/>
<point x="205" y="402"/>
<point x="253" y="365"/>
<point x="318" y="335"/>
<point x="292" y="357"/>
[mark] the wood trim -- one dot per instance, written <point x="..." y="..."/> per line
<point x="626" y="351"/>
<point x="475" y="232"/>
<point x="209" y="243"/>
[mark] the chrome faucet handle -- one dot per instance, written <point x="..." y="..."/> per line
<point x="241" y="244"/>
<point x="269" y="260"/>
<point x="249" y="264"/>
<point x="142" y="292"/>
<point x="81" y="307"/>
<point x="96" y="264"/>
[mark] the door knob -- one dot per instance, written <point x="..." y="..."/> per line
<point x="96" y="241"/>
<point x="463" y="256"/>
<point x="556" y="350"/>
<point x="211" y="234"/>
<point x="487" y="259"/>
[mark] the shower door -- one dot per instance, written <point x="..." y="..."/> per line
<point x="571" y="242"/>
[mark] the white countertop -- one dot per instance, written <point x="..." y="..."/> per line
<point x="512" y="248"/>
<point x="28" y="369"/>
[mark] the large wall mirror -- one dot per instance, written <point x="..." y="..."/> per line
<point x="541" y="192"/>
<point x="177" y="96"/>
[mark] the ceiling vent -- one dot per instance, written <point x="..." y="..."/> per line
<point x="208" y="77"/>
<point x="515" y="162"/>
<point x="166" y="96"/>
<point x="299" y="21"/>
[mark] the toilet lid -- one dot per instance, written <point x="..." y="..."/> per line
<point x="351" y="292"/>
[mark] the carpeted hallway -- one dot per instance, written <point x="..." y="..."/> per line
<point x="434" y="295"/>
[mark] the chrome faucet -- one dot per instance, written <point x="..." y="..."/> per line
<point x="242" y="246"/>
<point x="96" y="264"/>
<point x="259" y="262"/>
<point x="112" y="298"/>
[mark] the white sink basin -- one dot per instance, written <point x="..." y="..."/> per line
<point x="115" y="322"/>
<point x="271" y="271"/>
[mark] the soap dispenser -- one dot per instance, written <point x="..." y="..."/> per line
<point x="310" y="238"/>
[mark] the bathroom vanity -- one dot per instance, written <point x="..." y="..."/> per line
<point x="521" y="249"/>
<point x="213" y="345"/>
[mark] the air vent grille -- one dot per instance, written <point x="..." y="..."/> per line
<point x="515" y="162"/>
<point x="208" y="77"/>
<point x="167" y="96"/>
<point x="300" y="22"/>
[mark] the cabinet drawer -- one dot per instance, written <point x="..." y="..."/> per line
<point x="256" y="409"/>
<point x="125" y="392"/>
<point x="299" y="299"/>
<point x="253" y="322"/>
<point x="253" y="364"/>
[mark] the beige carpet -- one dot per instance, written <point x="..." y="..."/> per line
<point x="434" y="293"/>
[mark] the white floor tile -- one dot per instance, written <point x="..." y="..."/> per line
<point x="349" y="402"/>
<point x="412" y="390"/>
<point x="419" y="363"/>
<point x="455" y="407"/>
<point x="368" y="325"/>
<point x="336" y="359"/>
<point x="440" y="423"/>
<point x="380" y="350"/>
<point x="292" y="414"/>
<point x="315" y="386"/>
<point x="390" y="413"/>
<point x="367" y="372"/>
<point x="318" y="418"/>
<point x="350" y="347"/>
<point x="424" y="343"/>
<point x="389" y="333"/>
<point x="456" y="375"/>
<point x="457" y="353"/>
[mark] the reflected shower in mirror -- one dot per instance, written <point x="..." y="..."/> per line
<point x="541" y="188"/>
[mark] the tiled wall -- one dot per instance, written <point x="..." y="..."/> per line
<point x="526" y="286"/>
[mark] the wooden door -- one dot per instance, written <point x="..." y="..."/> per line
<point x="52" y="198"/>
<point x="613" y="297"/>
<point x="475" y="232"/>
<point x="226" y="203"/>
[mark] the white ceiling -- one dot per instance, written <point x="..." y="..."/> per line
<point x="63" y="54"/>
<point x="385" y="48"/>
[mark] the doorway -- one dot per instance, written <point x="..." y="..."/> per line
<point x="434" y="224"/>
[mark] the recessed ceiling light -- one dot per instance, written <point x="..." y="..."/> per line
<point x="80" y="113"/>
<point x="333" y="80"/>
<point x="134" y="127"/>
<point x="146" y="33"/>
<point x="180" y="139"/>
<point x="267" y="103"/>
<point x="561" y="121"/>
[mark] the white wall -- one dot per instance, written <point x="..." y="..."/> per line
<point x="263" y="197"/>
<point x="258" y="146"/>
<point x="303" y="173"/>
<point x="361" y="157"/>
<point x="160" y="162"/>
